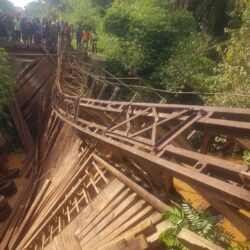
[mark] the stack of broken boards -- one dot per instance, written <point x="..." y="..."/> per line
<point x="116" y="213"/>
<point x="30" y="110"/>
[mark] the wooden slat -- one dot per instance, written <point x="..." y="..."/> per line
<point x="109" y="219"/>
<point x="138" y="243"/>
<point x="151" y="199"/>
<point x="94" y="220"/>
<point x="126" y="227"/>
<point x="159" y="205"/>
<point x="124" y="215"/>
<point x="21" y="229"/>
<point x="241" y="224"/>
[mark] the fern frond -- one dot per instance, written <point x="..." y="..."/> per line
<point x="175" y="215"/>
<point x="169" y="237"/>
<point x="203" y="224"/>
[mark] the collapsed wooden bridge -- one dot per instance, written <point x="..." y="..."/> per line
<point x="101" y="163"/>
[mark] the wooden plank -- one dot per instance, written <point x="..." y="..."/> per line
<point x="120" y="245"/>
<point x="232" y="169"/>
<point x="99" y="228"/>
<point x="116" y="222"/>
<point x="31" y="71"/>
<point x="17" y="214"/>
<point x="70" y="241"/>
<point x="59" y="243"/>
<point x="97" y="207"/>
<point x="138" y="243"/>
<point x="21" y="229"/>
<point x="95" y="219"/>
<point x="131" y="233"/>
<point x="50" y="246"/>
<point x="159" y="205"/>
<point x="22" y="128"/>
<point x="151" y="199"/>
<point x="244" y="142"/>
<point x="112" y="190"/>
<point x="188" y="238"/>
<point x="241" y="224"/>
<point x="52" y="201"/>
<point x="142" y="215"/>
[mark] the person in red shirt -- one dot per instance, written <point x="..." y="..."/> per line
<point x="85" y="38"/>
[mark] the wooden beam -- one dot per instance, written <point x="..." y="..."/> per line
<point x="151" y="199"/>
<point x="159" y="205"/>
<point x="242" y="225"/>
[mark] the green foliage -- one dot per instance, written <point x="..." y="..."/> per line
<point x="6" y="93"/>
<point x="116" y="21"/>
<point x="169" y="237"/>
<point x="42" y="8"/>
<point x="78" y="11"/>
<point x="188" y="69"/>
<point x="201" y="223"/>
<point x="157" y="43"/>
<point x="234" y="70"/>
<point x="220" y="142"/>
<point x="6" y="6"/>
<point x="211" y="15"/>
<point x="37" y="9"/>
<point x="6" y="81"/>
<point x="246" y="157"/>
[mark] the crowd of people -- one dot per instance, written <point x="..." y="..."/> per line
<point x="35" y="33"/>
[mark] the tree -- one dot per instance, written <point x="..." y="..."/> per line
<point x="37" y="9"/>
<point x="6" y="6"/>
<point x="161" y="44"/>
<point x="79" y="11"/>
<point x="234" y="70"/>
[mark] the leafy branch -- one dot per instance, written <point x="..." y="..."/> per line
<point x="201" y="223"/>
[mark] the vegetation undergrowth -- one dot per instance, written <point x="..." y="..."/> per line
<point x="246" y="157"/>
<point x="201" y="223"/>
<point x="6" y="94"/>
<point x="6" y="81"/>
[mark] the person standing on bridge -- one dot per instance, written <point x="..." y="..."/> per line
<point x="67" y="33"/>
<point x="3" y="30"/>
<point x="24" y="29"/>
<point x="79" y="37"/>
<point x="30" y="30"/>
<point x="53" y="35"/>
<point x="46" y="32"/>
<point x="93" y="41"/>
<point x="86" y="37"/>
<point x="38" y="34"/>
<point x="17" y="30"/>
<point x="9" y="27"/>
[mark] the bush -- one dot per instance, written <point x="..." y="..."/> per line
<point x="6" y="81"/>
<point x="6" y="94"/>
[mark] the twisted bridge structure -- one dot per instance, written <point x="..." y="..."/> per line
<point x="146" y="146"/>
<point x="149" y="133"/>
